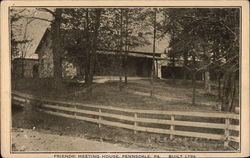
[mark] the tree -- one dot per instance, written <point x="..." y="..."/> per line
<point x="20" y="39"/>
<point x="76" y="38"/>
<point x="174" y="30"/>
<point x="15" y="29"/>
<point x="93" y="47"/>
<point x="202" y="32"/>
<point x="55" y="29"/>
<point x="25" y="45"/>
<point x="119" y="33"/>
<point x="114" y="28"/>
<point x="126" y="46"/>
<point x="56" y="40"/>
<point x="81" y="34"/>
<point x="121" y="48"/>
<point x="153" y="60"/>
<point x="135" y="24"/>
<point x="228" y="47"/>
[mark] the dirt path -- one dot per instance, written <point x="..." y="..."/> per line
<point x="32" y="140"/>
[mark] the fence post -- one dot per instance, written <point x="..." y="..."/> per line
<point x="26" y="102"/>
<point x="75" y="110"/>
<point x="172" y="127"/>
<point x="57" y="105"/>
<point x="27" y="106"/>
<point x="226" y="141"/>
<point x="40" y="104"/>
<point x="100" y="118"/>
<point x="135" y="123"/>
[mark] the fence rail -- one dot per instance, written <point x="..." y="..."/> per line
<point x="99" y="114"/>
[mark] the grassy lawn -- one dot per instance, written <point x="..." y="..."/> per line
<point x="166" y="96"/>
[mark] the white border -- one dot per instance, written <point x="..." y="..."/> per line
<point x="5" y="66"/>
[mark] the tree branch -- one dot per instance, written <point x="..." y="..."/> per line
<point x="188" y="68"/>
<point x="37" y="18"/>
<point x="229" y="29"/>
<point x="228" y="61"/>
<point x="20" y="11"/>
<point x="205" y="67"/>
<point x="46" y="10"/>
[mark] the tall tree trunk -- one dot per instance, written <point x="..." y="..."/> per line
<point x="55" y="28"/>
<point x="92" y="57"/>
<point x="153" y="61"/>
<point x="88" y="49"/>
<point x="81" y="67"/>
<point x="95" y="40"/>
<point x="184" y="75"/>
<point x="121" y="49"/>
<point x="193" y="79"/>
<point x="173" y="61"/>
<point x="229" y="90"/>
<point x="126" y="70"/>
<point x="156" y="69"/>
<point x="219" y="84"/>
<point x="194" y="87"/>
<point x="207" y="81"/>
<point x="185" y="64"/>
<point x="22" y="63"/>
<point x="126" y="49"/>
<point x="173" y="69"/>
<point x="22" y="68"/>
<point x="23" y="51"/>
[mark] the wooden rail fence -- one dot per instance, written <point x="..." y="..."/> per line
<point x="115" y="116"/>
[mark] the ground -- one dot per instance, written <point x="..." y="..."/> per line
<point x="32" y="140"/>
<point x="166" y="95"/>
<point x="41" y="128"/>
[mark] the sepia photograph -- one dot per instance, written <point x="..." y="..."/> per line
<point x="125" y="79"/>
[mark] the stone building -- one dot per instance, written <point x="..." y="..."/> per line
<point x="139" y="61"/>
<point x="45" y="56"/>
<point x="25" y="67"/>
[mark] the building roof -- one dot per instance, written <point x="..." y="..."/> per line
<point x="42" y="41"/>
<point x="140" y="51"/>
<point x="160" y="45"/>
<point x="130" y="53"/>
